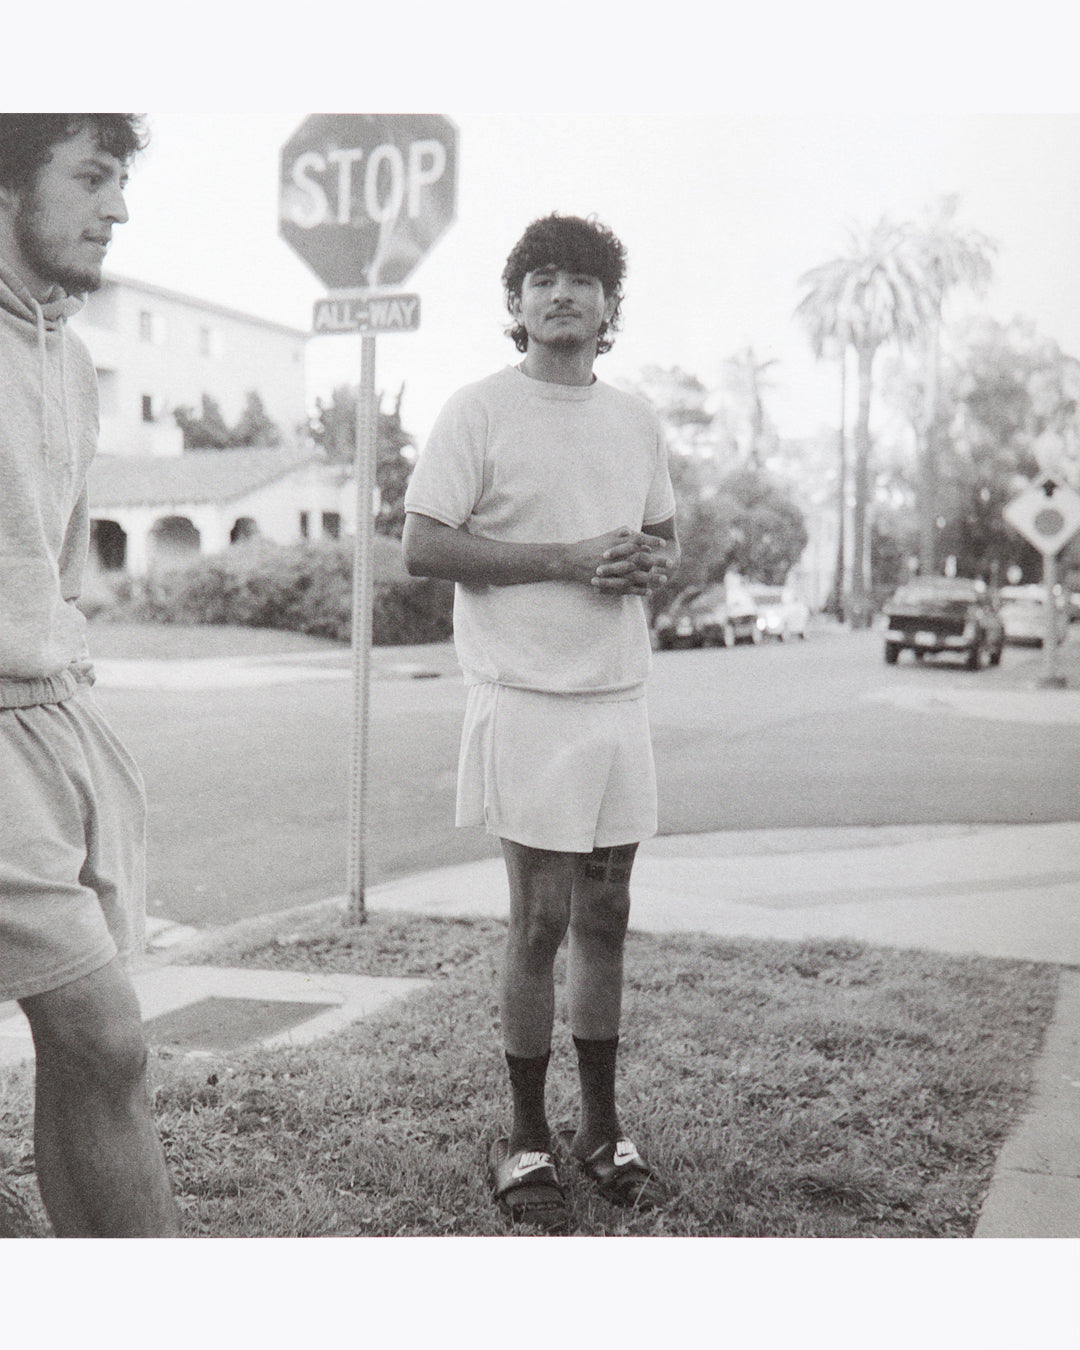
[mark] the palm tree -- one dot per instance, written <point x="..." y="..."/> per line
<point x="745" y="375"/>
<point x="950" y="258"/>
<point x="873" y="294"/>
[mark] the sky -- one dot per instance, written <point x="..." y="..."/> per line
<point x="721" y="215"/>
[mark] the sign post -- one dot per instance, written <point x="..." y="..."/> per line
<point x="363" y="197"/>
<point x="1047" y="514"/>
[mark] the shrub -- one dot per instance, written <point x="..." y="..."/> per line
<point x="302" y="588"/>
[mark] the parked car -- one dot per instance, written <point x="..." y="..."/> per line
<point x="953" y="615"/>
<point x="726" y="614"/>
<point x="1023" y="614"/>
<point x="781" y="613"/>
<point x="700" y="616"/>
<point x="675" y="627"/>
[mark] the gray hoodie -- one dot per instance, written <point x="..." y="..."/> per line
<point x="48" y="435"/>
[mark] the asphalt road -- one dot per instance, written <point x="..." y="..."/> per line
<point x="248" y="786"/>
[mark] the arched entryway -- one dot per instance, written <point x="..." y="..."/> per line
<point x="108" y="545"/>
<point x="244" y="529"/>
<point x="174" y="540"/>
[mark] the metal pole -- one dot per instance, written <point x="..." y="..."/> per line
<point x="839" y="588"/>
<point x="1051" y="677"/>
<point x="362" y="589"/>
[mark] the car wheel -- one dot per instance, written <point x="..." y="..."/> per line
<point x="892" y="651"/>
<point x="995" y="657"/>
<point x="974" y="657"/>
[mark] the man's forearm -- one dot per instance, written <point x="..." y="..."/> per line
<point x="617" y="561"/>
<point x="434" y="550"/>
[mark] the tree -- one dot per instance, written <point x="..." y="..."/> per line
<point x="210" y="431"/>
<point x="742" y="522"/>
<point x="745" y="376"/>
<point x="950" y="258"/>
<point x="255" y="426"/>
<point x="1013" y="404"/>
<point x="688" y="411"/>
<point x="207" y="432"/>
<point x="769" y="533"/>
<point x="873" y="294"/>
<point x="729" y="518"/>
<point x="334" y="428"/>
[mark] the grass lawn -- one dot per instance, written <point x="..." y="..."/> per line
<point x="788" y="1090"/>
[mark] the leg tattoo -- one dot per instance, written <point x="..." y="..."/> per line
<point x="610" y="865"/>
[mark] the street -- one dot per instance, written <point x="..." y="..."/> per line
<point x="248" y="785"/>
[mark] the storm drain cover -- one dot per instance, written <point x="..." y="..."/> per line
<point x="228" y="1023"/>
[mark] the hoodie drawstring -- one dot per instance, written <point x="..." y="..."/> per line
<point x="64" y="391"/>
<point x="39" y="314"/>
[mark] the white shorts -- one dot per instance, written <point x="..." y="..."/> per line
<point x="565" y="772"/>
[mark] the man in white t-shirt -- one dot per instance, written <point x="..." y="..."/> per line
<point x="545" y="496"/>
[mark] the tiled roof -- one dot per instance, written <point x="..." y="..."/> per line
<point x="197" y="476"/>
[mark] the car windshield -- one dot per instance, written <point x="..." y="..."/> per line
<point x="709" y="597"/>
<point x="1024" y="596"/>
<point x="928" y="592"/>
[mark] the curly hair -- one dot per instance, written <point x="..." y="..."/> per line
<point x="572" y="244"/>
<point x="27" y="140"/>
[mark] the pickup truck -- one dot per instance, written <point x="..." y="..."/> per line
<point x="932" y="615"/>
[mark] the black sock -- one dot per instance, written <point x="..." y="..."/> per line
<point x="596" y="1070"/>
<point x="528" y="1077"/>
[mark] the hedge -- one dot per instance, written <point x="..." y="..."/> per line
<point x="304" y="588"/>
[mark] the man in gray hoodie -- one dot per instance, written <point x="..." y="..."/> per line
<point x="72" y="810"/>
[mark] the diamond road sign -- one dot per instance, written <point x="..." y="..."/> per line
<point x="362" y="313"/>
<point x="1047" y="514"/>
<point x="364" y="196"/>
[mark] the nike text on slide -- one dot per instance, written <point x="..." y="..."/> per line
<point x="530" y="1162"/>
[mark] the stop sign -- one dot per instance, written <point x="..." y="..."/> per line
<point x="364" y="196"/>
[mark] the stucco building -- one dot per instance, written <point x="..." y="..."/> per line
<point x="151" y="502"/>
<point x="157" y="350"/>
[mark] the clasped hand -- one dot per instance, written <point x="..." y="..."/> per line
<point x="632" y="563"/>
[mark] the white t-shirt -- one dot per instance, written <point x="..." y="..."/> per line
<point x="523" y="461"/>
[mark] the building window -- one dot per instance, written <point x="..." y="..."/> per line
<point x="211" y="342"/>
<point x="331" y="524"/>
<point x="148" y="408"/>
<point x="151" y="327"/>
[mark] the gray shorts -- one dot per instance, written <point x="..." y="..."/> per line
<point x="565" y="772"/>
<point x="72" y="847"/>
